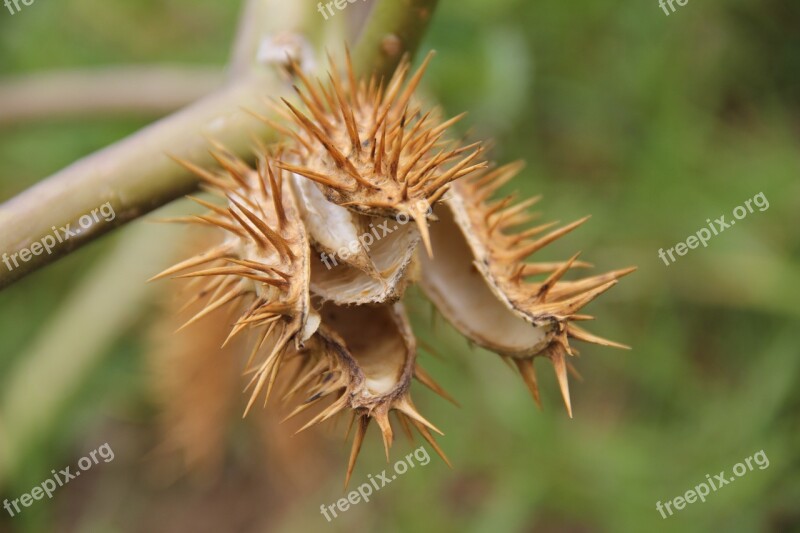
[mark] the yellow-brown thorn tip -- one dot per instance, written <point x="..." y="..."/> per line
<point x="553" y="278"/>
<point x="420" y="216"/>
<point x="238" y="328"/>
<point x="382" y="418"/>
<point x="259" y="239"/>
<point x="268" y="329"/>
<point x="534" y="269"/>
<point x="227" y="298"/>
<point x="277" y="196"/>
<point x="208" y="205"/>
<point x="423" y="377"/>
<point x="581" y="334"/>
<point x="571" y="288"/>
<point x="445" y="125"/>
<point x="558" y="357"/>
<point x="202" y="293"/>
<point x="328" y="412"/>
<point x="301" y="408"/>
<point x="298" y="72"/>
<point x="347" y="112"/>
<point x="310" y="174"/>
<point x="273" y="237"/>
<point x="568" y="307"/>
<point x="268" y="369"/>
<point x="429" y="438"/>
<point x="227" y="226"/>
<point x="407" y="408"/>
<point x="361" y="430"/>
<point x="414" y="81"/>
<point x="351" y="76"/>
<point x="528" y="372"/>
<point x="339" y="158"/>
<point x="201" y="173"/>
<point x="422" y="225"/>
<point x="405" y="425"/>
<point x="276" y="365"/>
<point x="527" y="250"/>
<point x="207" y="257"/>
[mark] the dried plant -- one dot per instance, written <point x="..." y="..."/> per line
<point x="356" y="154"/>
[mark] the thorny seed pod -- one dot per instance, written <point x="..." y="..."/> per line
<point x="480" y="281"/>
<point x="357" y="156"/>
<point x="373" y="151"/>
<point x="264" y="260"/>
<point x="368" y="370"/>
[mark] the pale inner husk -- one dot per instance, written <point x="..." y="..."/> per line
<point x="392" y="256"/>
<point x="377" y="343"/>
<point x="332" y="227"/>
<point x="461" y="293"/>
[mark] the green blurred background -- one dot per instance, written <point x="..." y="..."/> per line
<point x="651" y="123"/>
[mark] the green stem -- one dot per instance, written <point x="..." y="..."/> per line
<point x="395" y="27"/>
<point x="152" y="90"/>
<point x="136" y="176"/>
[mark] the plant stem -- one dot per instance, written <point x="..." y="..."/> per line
<point x="258" y="20"/>
<point x="136" y="176"/>
<point x="122" y="89"/>
<point x="395" y="27"/>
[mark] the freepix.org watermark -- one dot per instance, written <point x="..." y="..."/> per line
<point x="339" y="4"/>
<point x="14" y="5"/>
<point x="718" y="481"/>
<point x="671" y="3"/>
<point x="377" y="482"/>
<point x="59" y="479"/>
<point x="49" y="242"/>
<point x="368" y="238"/>
<point x="703" y="235"/>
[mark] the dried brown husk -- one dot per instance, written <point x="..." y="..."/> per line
<point x="362" y="156"/>
<point x="364" y="358"/>
<point x="395" y="261"/>
<point x="333" y="228"/>
<point x="480" y="279"/>
<point x="372" y="149"/>
<point x="197" y="384"/>
<point x="360" y="259"/>
<point x="263" y="264"/>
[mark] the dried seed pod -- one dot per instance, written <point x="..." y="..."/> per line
<point x="372" y="150"/>
<point x="362" y="161"/>
<point x="367" y="371"/>
<point x="264" y="258"/>
<point x="334" y="231"/>
<point x="480" y="281"/>
<point x="394" y="260"/>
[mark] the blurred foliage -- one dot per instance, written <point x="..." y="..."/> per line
<point x="650" y="123"/>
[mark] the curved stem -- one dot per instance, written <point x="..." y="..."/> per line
<point x="122" y="89"/>
<point x="135" y="175"/>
